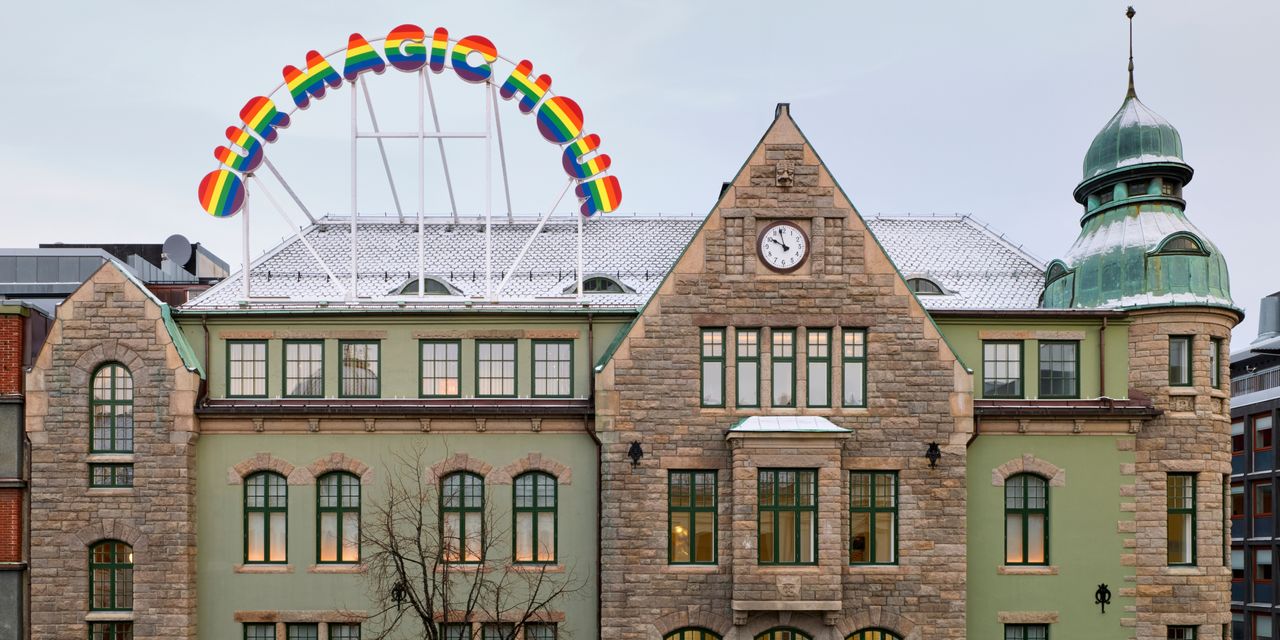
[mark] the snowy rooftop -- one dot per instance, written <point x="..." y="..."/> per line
<point x="788" y="424"/>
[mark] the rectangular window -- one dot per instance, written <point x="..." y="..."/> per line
<point x="788" y="505"/>
<point x="1237" y="565"/>
<point x="305" y="631"/>
<point x="692" y="517"/>
<point x="1180" y="360"/>
<point x="456" y="631"/>
<point x="1181" y="632"/>
<point x="553" y="368"/>
<point x="818" y="365"/>
<point x="114" y="631"/>
<point x="713" y="367"/>
<point x="748" y="364"/>
<point x="111" y="475"/>
<point x="498" y="631"/>
<point x="1262" y="498"/>
<point x="1001" y="369"/>
<point x="247" y="368"/>
<point x="1261" y="626"/>
<point x="1237" y="437"/>
<point x="540" y="631"/>
<point x="1059" y="369"/>
<point x="304" y="368"/>
<point x="259" y="631"/>
<point x="360" y="373"/>
<point x="783" y="352"/>
<point x="440" y="368"/>
<point x="496" y="368"/>
<point x="1181" y="494"/>
<point x="854" y="374"/>
<point x="1026" y="632"/>
<point x="1262" y="570"/>
<point x="344" y="631"/>
<point x="1237" y="501"/>
<point x="873" y="517"/>
<point x="1215" y="362"/>
<point x="1262" y="432"/>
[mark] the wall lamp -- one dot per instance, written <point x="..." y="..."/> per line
<point x="933" y="454"/>
<point x="635" y="453"/>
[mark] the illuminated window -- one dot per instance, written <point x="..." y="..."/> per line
<point x="1026" y="519"/>
<point x="111" y="576"/>
<point x="440" y="367"/>
<point x="788" y="506"/>
<point x="535" y="507"/>
<point x="873" y="517"/>
<point x="266" y="518"/>
<point x="691" y="633"/>
<point x="462" y="524"/>
<point x="874" y="634"/>
<point x="692" y="517"/>
<point x="338" y="511"/>
<point x="783" y="634"/>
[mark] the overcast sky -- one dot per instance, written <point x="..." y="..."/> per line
<point x="112" y="110"/>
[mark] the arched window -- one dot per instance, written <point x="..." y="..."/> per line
<point x="1056" y="270"/>
<point x="1181" y="244"/>
<point x="599" y="284"/>
<point x="691" y="633"/>
<point x="924" y="287"/>
<point x="338" y="515"/>
<point x="266" y="518"/>
<point x="873" y="634"/>
<point x="111" y="413"/>
<point x="535" y="507"/>
<point x="462" y="517"/>
<point x="783" y="633"/>
<point x="433" y="286"/>
<point x="1026" y="519"/>
<point x="111" y="576"/>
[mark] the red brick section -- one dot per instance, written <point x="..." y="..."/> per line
<point x="10" y="525"/>
<point x="10" y="355"/>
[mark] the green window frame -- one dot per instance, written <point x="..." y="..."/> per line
<point x="496" y="364"/>
<point x="266" y="518"/>
<point x="359" y="369"/>
<point x="1181" y="519"/>
<point x="497" y="631"/>
<point x="874" y="633"/>
<point x="1180" y="361"/>
<point x="303" y="365"/>
<point x="456" y="630"/>
<point x="853" y="360"/>
<point x="873" y="517"/>
<point x="535" y="496"/>
<point x="817" y="367"/>
<point x="338" y="518"/>
<point x="1215" y="362"/>
<point x="259" y="631"/>
<point x="788" y="508"/>
<point x="440" y="368"/>
<point x="747" y="367"/>
<point x="344" y="631"/>
<point x="110" y="631"/>
<point x="692" y="527"/>
<point x="1026" y="632"/>
<point x="692" y="633"/>
<point x="302" y="631"/>
<point x="540" y="631"/>
<point x="111" y="410"/>
<point x="462" y="517"/>
<point x="1059" y="368"/>
<point x="552" y="368"/>
<point x="783" y="633"/>
<point x="712" y="366"/>
<point x="1181" y="632"/>
<point x="110" y="475"/>
<point x="782" y="367"/>
<point x="1002" y="369"/>
<point x="110" y="576"/>
<point x="1026" y="520"/>
<point x="247" y="362"/>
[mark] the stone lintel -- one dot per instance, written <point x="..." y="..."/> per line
<point x="787" y="605"/>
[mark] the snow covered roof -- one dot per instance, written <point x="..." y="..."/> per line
<point x="976" y="267"/>
<point x="787" y="424"/>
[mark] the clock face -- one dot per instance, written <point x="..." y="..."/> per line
<point x="783" y="247"/>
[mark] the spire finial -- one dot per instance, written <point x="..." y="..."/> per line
<point x="1129" y="14"/>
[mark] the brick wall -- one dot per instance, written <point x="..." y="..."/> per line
<point x="11" y="354"/>
<point x="10" y="525"/>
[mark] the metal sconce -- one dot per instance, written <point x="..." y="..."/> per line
<point x="635" y="452"/>
<point x="1102" y="596"/>
<point x="399" y="594"/>
<point x="933" y="455"/>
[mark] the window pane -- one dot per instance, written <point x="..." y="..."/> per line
<point x="350" y="536"/>
<point x="1013" y="539"/>
<point x="787" y="536"/>
<point x="766" y="538"/>
<point x="681" y="544"/>
<point x="257" y="537"/>
<point x="551" y="368"/>
<point x="854" y="385"/>
<point x="1179" y="360"/>
<point x="1179" y="538"/>
<point x="860" y="537"/>
<point x="818" y="383"/>
<point x="303" y="632"/>
<point x="1035" y="538"/>
<point x="360" y="364"/>
<point x="440" y="368"/>
<point x="279" y="536"/>
<point x="1002" y="369"/>
<point x="344" y="631"/>
<point x="783" y="383"/>
<point x="496" y="365"/>
<point x="1058" y="369"/>
<point x="260" y="632"/>
<point x="546" y="536"/>
<point x="328" y="537"/>
<point x="524" y="536"/>
<point x="806" y="537"/>
<point x="712" y="383"/>
<point x="885" y="537"/>
<point x="748" y="384"/>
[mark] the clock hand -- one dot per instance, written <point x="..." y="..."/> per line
<point x="775" y="241"/>
<point x="784" y="244"/>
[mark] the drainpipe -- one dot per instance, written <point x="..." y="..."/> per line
<point x="203" y="392"/>
<point x="591" y="394"/>
<point x="1102" y="358"/>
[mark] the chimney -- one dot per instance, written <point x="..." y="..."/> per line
<point x="1269" y="318"/>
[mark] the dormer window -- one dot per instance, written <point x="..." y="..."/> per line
<point x="1181" y="244"/>
<point x="924" y="287"/>
<point x="1056" y="270"/>
<point x="599" y="284"/>
<point x="1138" y="188"/>
<point x="433" y="287"/>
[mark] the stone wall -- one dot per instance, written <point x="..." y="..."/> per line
<point x="110" y="319"/>
<point x="649" y="393"/>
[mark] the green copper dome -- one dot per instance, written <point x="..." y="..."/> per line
<point x="1135" y="135"/>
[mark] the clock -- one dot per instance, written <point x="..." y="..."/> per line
<point x="783" y="247"/>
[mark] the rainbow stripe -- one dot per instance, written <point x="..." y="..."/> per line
<point x="404" y="48"/>
<point x="576" y="167"/>
<point x="361" y="58"/>
<point x="303" y="85"/>
<point x="439" y="49"/>
<point x="233" y="159"/>
<point x="601" y="195"/>
<point x="464" y="48"/>
<point x="262" y="117"/>
<point x="560" y="120"/>
<point x="531" y="91"/>
<point x="221" y="193"/>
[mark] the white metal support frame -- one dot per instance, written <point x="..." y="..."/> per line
<point x="382" y="149"/>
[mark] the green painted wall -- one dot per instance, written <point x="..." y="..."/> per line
<point x="399" y="349"/>
<point x="963" y="334"/>
<point x="1084" y="542"/>
<point x="220" y="519"/>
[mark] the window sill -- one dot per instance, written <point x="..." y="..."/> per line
<point x="1182" y="390"/>
<point x="790" y="568"/>
<point x="111" y="458"/>
<point x="875" y="568"/>
<point x="1189" y="570"/>
<point x="459" y="567"/>
<point x="109" y="616"/>
<point x="109" y="491"/>
<point x="337" y="568"/>
<point x="534" y="567"/>
<point x="1029" y="570"/>
<point x="263" y="568"/>
<point x="693" y="568"/>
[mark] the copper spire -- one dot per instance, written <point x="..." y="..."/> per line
<point x="1129" y="14"/>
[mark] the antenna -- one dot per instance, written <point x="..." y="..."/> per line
<point x="1129" y="13"/>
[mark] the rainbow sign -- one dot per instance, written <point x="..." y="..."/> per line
<point x="222" y="192"/>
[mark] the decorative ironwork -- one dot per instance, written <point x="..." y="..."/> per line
<point x="1102" y="596"/>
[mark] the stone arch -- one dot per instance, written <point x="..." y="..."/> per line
<point x="877" y="618"/>
<point x="337" y="461"/>
<point x="266" y="462"/>
<point x="691" y="617"/>
<point x="536" y="462"/>
<point x="812" y="624"/>
<point x="109" y="351"/>
<point x="107" y="530"/>
<point x="463" y="462"/>
<point x="1028" y="463"/>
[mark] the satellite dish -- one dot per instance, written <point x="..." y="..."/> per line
<point x="177" y="249"/>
